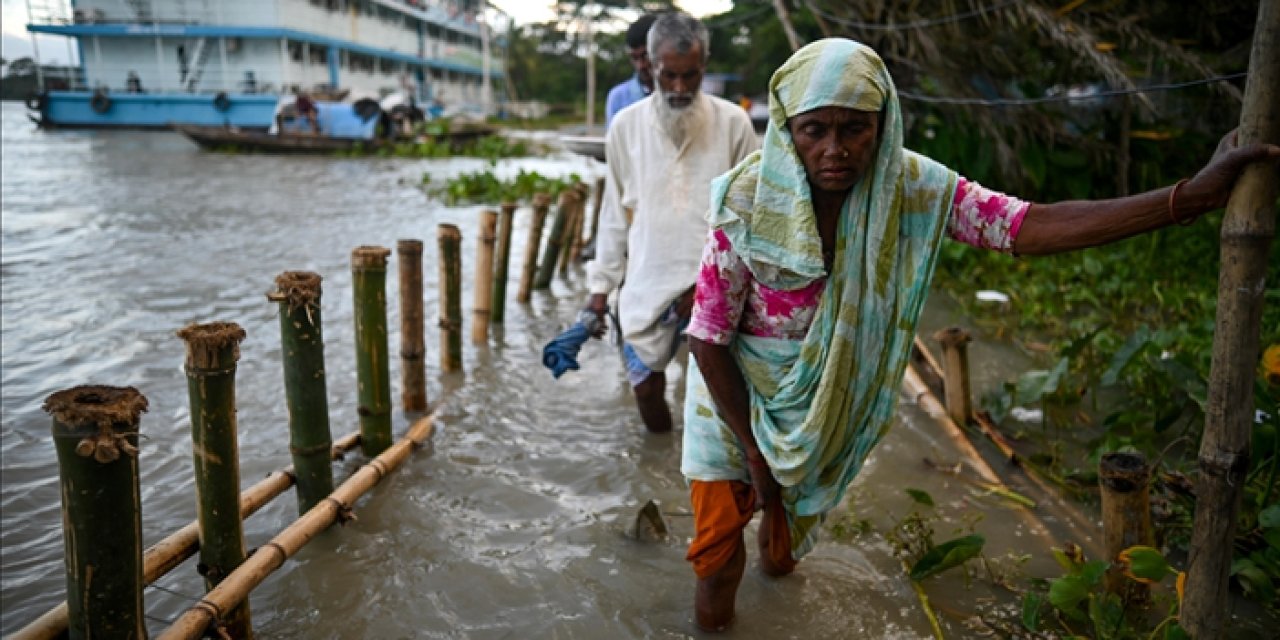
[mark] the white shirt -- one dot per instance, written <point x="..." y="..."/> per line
<point x="667" y="191"/>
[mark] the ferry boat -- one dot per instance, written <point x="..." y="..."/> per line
<point x="231" y="63"/>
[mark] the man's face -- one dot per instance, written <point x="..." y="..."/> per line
<point x="836" y="145"/>
<point x="640" y="62"/>
<point x="679" y="75"/>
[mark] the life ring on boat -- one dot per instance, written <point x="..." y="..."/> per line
<point x="37" y="101"/>
<point x="221" y="102"/>
<point x="100" y="102"/>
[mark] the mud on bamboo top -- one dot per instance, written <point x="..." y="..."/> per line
<point x="952" y="336"/>
<point x="369" y="257"/>
<point x="541" y="200"/>
<point x="207" y="342"/>
<point x="508" y="207"/>
<point x="448" y="232"/>
<point x="97" y="406"/>
<point x="409" y="246"/>
<point x="298" y="288"/>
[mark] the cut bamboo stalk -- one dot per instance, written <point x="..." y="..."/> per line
<point x="95" y="434"/>
<point x="272" y="555"/>
<point x="302" y="347"/>
<point x="1126" y="518"/>
<point x="373" y="372"/>
<point x="928" y="369"/>
<point x="955" y="353"/>
<point x="915" y="387"/>
<point x="502" y="262"/>
<point x="212" y="352"/>
<point x="413" y="350"/>
<point x="483" y="292"/>
<point x="1247" y="233"/>
<point x="165" y="555"/>
<point x="450" y="241"/>
<point x="551" y="254"/>
<point x="541" y="202"/>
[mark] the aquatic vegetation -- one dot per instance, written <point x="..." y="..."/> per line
<point x="485" y="187"/>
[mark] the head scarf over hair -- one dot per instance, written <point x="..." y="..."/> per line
<point x="818" y="405"/>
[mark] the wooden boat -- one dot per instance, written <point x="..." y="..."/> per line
<point x="590" y="146"/>
<point x="233" y="139"/>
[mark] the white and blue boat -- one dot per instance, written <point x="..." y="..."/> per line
<point x="230" y="63"/>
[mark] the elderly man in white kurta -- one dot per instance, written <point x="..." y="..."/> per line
<point x="663" y="153"/>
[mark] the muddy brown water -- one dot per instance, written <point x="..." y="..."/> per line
<point x="511" y="524"/>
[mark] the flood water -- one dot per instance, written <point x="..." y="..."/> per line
<point x="511" y="524"/>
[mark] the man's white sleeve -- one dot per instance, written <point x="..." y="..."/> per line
<point x="610" y="263"/>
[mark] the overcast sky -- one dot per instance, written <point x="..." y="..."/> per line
<point x="54" y="50"/>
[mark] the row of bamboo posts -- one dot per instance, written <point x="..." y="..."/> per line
<point x="96" y="429"/>
<point x="95" y="432"/>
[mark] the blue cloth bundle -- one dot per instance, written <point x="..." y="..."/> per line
<point x="561" y="354"/>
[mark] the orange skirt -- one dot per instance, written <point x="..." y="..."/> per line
<point x="721" y="510"/>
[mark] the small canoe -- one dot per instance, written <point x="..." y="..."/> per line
<point x="225" y="139"/>
<point x="590" y="146"/>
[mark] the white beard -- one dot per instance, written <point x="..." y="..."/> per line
<point x="676" y="122"/>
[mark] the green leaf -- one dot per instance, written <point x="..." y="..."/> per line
<point x="949" y="554"/>
<point x="1066" y="594"/>
<point x="1145" y="563"/>
<point x="1033" y="164"/>
<point x="1174" y="631"/>
<point x="1137" y="340"/>
<point x="1031" y="604"/>
<point x="1092" y="572"/>
<point x="1269" y="518"/>
<point x="1255" y="582"/>
<point x="920" y="497"/>
<point x="1107" y="613"/>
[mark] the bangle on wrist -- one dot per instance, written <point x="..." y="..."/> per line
<point x="1173" y="196"/>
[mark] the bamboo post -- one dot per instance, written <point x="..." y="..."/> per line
<point x="302" y="347"/>
<point x="541" y="202"/>
<point x="484" y="277"/>
<point x="955" y="354"/>
<point x="573" y="244"/>
<point x="450" y="240"/>
<point x="413" y="350"/>
<point x="1247" y="232"/>
<point x="501" y="266"/>
<point x="595" y="211"/>
<point x="95" y="434"/>
<point x="163" y="556"/>
<point x="212" y="352"/>
<point x="373" y="374"/>
<point x="551" y="254"/>
<point x="271" y="556"/>
<point x="1126" y="517"/>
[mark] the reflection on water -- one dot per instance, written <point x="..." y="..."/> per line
<point x="509" y="525"/>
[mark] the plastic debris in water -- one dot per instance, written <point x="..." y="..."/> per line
<point x="987" y="295"/>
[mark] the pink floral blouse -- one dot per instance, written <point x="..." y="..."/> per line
<point x="729" y="300"/>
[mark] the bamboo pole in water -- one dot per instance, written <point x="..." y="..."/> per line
<point x="955" y="341"/>
<point x="1126" y="518"/>
<point x="165" y="555"/>
<point x="450" y="240"/>
<point x="595" y="210"/>
<point x="212" y="352"/>
<point x="541" y="202"/>
<point x="373" y="373"/>
<point x="501" y="266"/>
<point x="272" y="555"/>
<point x="483" y="293"/>
<point x="95" y="434"/>
<point x="1247" y="233"/>
<point x="302" y="348"/>
<point x="413" y="350"/>
<point x="573" y="233"/>
<point x="551" y="254"/>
